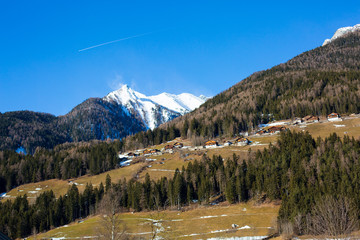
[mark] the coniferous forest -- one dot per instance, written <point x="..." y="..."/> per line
<point x="298" y="170"/>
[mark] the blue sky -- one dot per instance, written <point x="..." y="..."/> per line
<point x="201" y="47"/>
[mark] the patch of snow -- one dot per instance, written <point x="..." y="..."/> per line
<point x="277" y="123"/>
<point x="219" y="231"/>
<point x="33" y="192"/>
<point x="239" y="238"/>
<point x="38" y="189"/>
<point x="341" y="32"/>
<point x="163" y="170"/>
<point x="190" y="235"/>
<point x="214" y="216"/>
<point x="339" y="125"/>
<point x="3" y="194"/>
<point x="208" y="216"/>
<point x="125" y="163"/>
<point x="244" y="227"/>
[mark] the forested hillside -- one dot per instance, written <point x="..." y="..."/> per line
<point x="65" y="161"/>
<point x="27" y="129"/>
<point x="92" y="119"/>
<point x="317" y="82"/>
<point x="298" y="170"/>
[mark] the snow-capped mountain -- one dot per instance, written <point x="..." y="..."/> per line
<point x="157" y="109"/>
<point x="341" y="32"/>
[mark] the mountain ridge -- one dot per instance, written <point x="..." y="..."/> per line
<point x="95" y="118"/>
<point x="341" y="32"/>
<point x="157" y="109"/>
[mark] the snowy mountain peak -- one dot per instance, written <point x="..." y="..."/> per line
<point x="157" y="109"/>
<point x="341" y="32"/>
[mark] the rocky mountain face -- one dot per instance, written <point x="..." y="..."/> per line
<point x="120" y="113"/>
<point x="153" y="110"/>
<point x="341" y="32"/>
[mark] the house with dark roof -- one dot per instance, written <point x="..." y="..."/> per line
<point x="4" y="237"/>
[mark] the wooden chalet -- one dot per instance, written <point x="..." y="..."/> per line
<point x="242" y="141"/>
<point x="310" y="119"/>
<point x="276" y="129"/>
<point x="211" y="143"/>
<point x="147" y="151"/>
<point x="178" y="145"/>
<point x="298" y="120"/>
<point x="261" y="132"/>
<point x="334" y="117"/>
<point x="154" y="150"/>
<point x="169" y="146"/>
<point x="131" y="154"/>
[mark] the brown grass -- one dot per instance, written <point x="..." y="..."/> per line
<point x="201" y="221"/>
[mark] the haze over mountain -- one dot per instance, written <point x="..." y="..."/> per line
<point x="120" y="113"/>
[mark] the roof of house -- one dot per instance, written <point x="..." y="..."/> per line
<point x="4" y="237"/>
<point x="333" y="115"/>
<point x="211" y="142"/>
<point x="241" y="140"/>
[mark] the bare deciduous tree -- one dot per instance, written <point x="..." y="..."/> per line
<point x="111" y="226"/>
<point x="334" y="216"/>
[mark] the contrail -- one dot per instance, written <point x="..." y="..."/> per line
<point x="118" y="40"/>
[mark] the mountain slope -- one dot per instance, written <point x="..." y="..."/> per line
<point x="98" y="119"/>
<point x="26" y="128"/>
<point x="341" y="32"/>
<point x="154" y="110"/>
<point x="119" y="114"/>
<point x="320" y="81"/>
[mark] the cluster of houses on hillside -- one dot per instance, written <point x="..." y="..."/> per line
<point x="241" y="141"/>
<point x="271" y="128"/>
<point x="278" y="126"/>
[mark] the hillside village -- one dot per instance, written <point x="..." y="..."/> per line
<point x="272" y="128"/>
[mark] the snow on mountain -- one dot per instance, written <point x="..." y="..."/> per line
<point x="157" y="109"/>
<point x="341" y="32"/>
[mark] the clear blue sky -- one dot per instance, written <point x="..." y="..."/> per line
<point x="201" y="47"/>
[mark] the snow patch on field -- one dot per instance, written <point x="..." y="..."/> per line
<point x="244" y="227"/>
<point x="239" y="238"/>
<point x="162" y="170"/>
